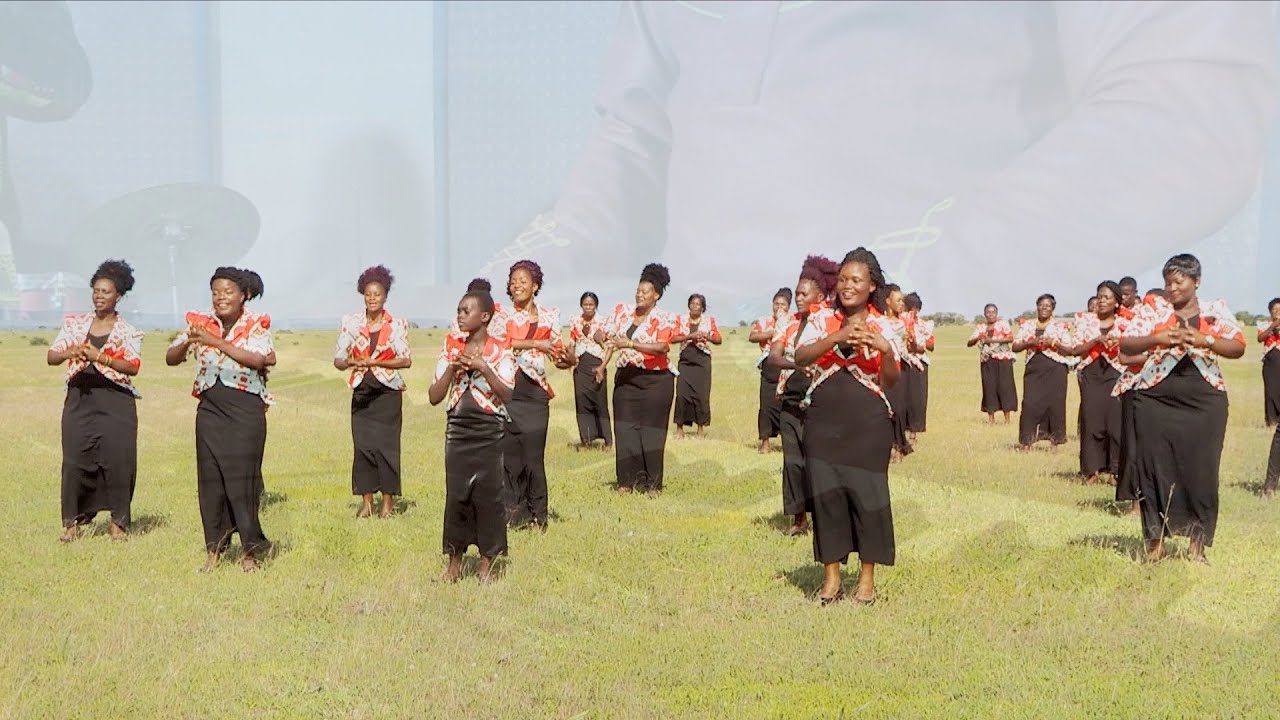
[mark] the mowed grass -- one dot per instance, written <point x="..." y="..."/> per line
<point x="1016" y="592"/>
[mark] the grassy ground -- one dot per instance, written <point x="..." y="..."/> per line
<point x="1016" y="593"/>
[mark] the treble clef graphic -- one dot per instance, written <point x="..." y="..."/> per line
<point x="911" y="239"/>
<point x="539" y="233"/>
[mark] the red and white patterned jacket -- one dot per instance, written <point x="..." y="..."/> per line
<point x="1000" y="330"/>
<point x="392" y="342"/>
<point x="497" y="355"/>
<point x="1088" y="329"/>
<point x="1270" y="342"/>
<point x="123" y="343"/>
<point x="517" y="325"/>
<point x="706" y="323"/>
<point x="767" y="324"/>
<point x="787" y="332"/>
<point x="1056" y="329"/>
<point x="251" y="332"/>
<point x="584" y="343"/>
<point x="1216" y="320"/>
<point x="922" y="331"/>
<point x="658" y="327"/>
<point x="862" y="363"/>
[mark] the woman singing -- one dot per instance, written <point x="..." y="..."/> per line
<point x="640" y="336"/>
<point x="895" y="307"/>
<point x="374" y="346"/>
<point x="848" y="430"/>
<point x="533" y="332"/>
<point x="476" y="374"/>
<point x="813" y="292"/>
<point x="995" y="363"/>
<point x="1044" y="380"/>
<point x="915" y="371"/>
<point x="233" y="349"/>
<point x="99" y="416"/>
<point x="1180" y="408"/>
<point x="695" y="333"/>
<point x="1097" y="337"/>
<point x="590" y="398"/>
<point x="768" y="417"/>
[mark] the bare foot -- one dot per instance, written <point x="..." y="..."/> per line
<point x="764" y="446"/>
<point x="366" y="510"/>
<point x="486" y="571"/>
<point x="69" y="534"/>
<point x="1155" y="551"/>
<point x="1091" y="480"/>
<point x="1268" y="492"/>
<point x="1134" y="508"/>
<point x="702" y="431"/>
<point x="210" y="562"/>
<point x="679" y="432"/>
<point x="623" y="489"/>
<point x="248" y="562"/>
<point x="118" y="533"/>
<point x="866" y="592"/>
<point x="453" y="572"/>
<point x="1195" y="553"/>
<point x="388" y="506"/>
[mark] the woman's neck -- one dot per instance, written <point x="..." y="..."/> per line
<point x="108" y="313"/>
<point x="526" y="307"/>
<point x="229" y="320"/>
<point x="479" y="335"/>
<point x="373" y="316"/>
<point x="854" y="311"/>
<point x="1103" y="317"/>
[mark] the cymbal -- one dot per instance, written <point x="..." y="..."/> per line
<point x="203" y="225"/>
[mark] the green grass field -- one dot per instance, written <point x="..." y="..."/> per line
<point x="1016" y="592"/>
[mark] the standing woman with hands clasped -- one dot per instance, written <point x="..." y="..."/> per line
<point x="476" y="373"/>
<point x="695" y="333"/>
<point x="233" y="349"/>
<point x="374" y="346"/>
<point x="1269" y="336"/>
<point x="1180" y="408"/>
<point x="1044" y="379"/>
<point x="100" y="415"/>
<point x="848" y="429"/>
<point x="643" y="386"/>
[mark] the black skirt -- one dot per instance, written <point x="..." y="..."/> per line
<point x="641" y="411"/>
<point x="1180" y="424"/>
<point x="591" y="401"/>
<point x="1273" y="463"/>
<point x="898" y="400"/>
<point x="917" y="408"/>
<point x="1100" y="420"/>
<point x="231" y="435"/>
<point x="1126" y="482"/>
<point x="999" y="393"/>
<point x="473" y="478"/>
<point x="847" y="439"/>
<point x="768" y="417"/>
<point x="99" y="450"/>
<point x="693" y="388"/>
<point x="1044" y="402"/>
<point x="377" y="413"/>
<point x="796" y="494"/>
<point x="1271" y="386"/>
<point x="524" y="450"/>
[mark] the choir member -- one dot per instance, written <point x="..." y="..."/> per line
<point x="1044" y="379"/>
<point x="769" y="416"/>
<point x="374" y="346"/>
<point x="915" y="372"/>
<point x="640" y="335"/>
<point x="1180" y="408"/>
<point x="1097" y="339"/>
<point x="233" y="349"/>
<point x="1269" y="336"/>
<point x="591" y="398"/>
<point x="695" y="333"/>
<point x="895" y="308"/>
<point x="813" y="292"/>
<point x="476" y="374"/>
<point x="848" y="430"/>
<point x="103" y="353"/>
<point x="995" y="363"/>
<point x="533" y="332"/>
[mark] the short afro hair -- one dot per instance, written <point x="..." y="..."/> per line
<point x="1182" y="264"/>
<point x="656" y="275"/>
<point x="118" y="272"/>
<point x="480" y="285"/>
<point x="529" y="266"/>
<point x="821" y="271"/>
<point x="376" y="274"/>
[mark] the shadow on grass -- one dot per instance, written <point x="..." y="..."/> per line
<point x="1126" y="546"/>
<point x="808" y="578"/>
<point x="1070" y="476"/>
<point x="1253" y="488"/>
<point x="777" y="521"/>
<point x="1110" y="507"/>
<point x="270" y="498"/>
<point x="140" y="526"/>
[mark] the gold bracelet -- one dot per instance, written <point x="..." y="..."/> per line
<point x="98" y="360"/>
